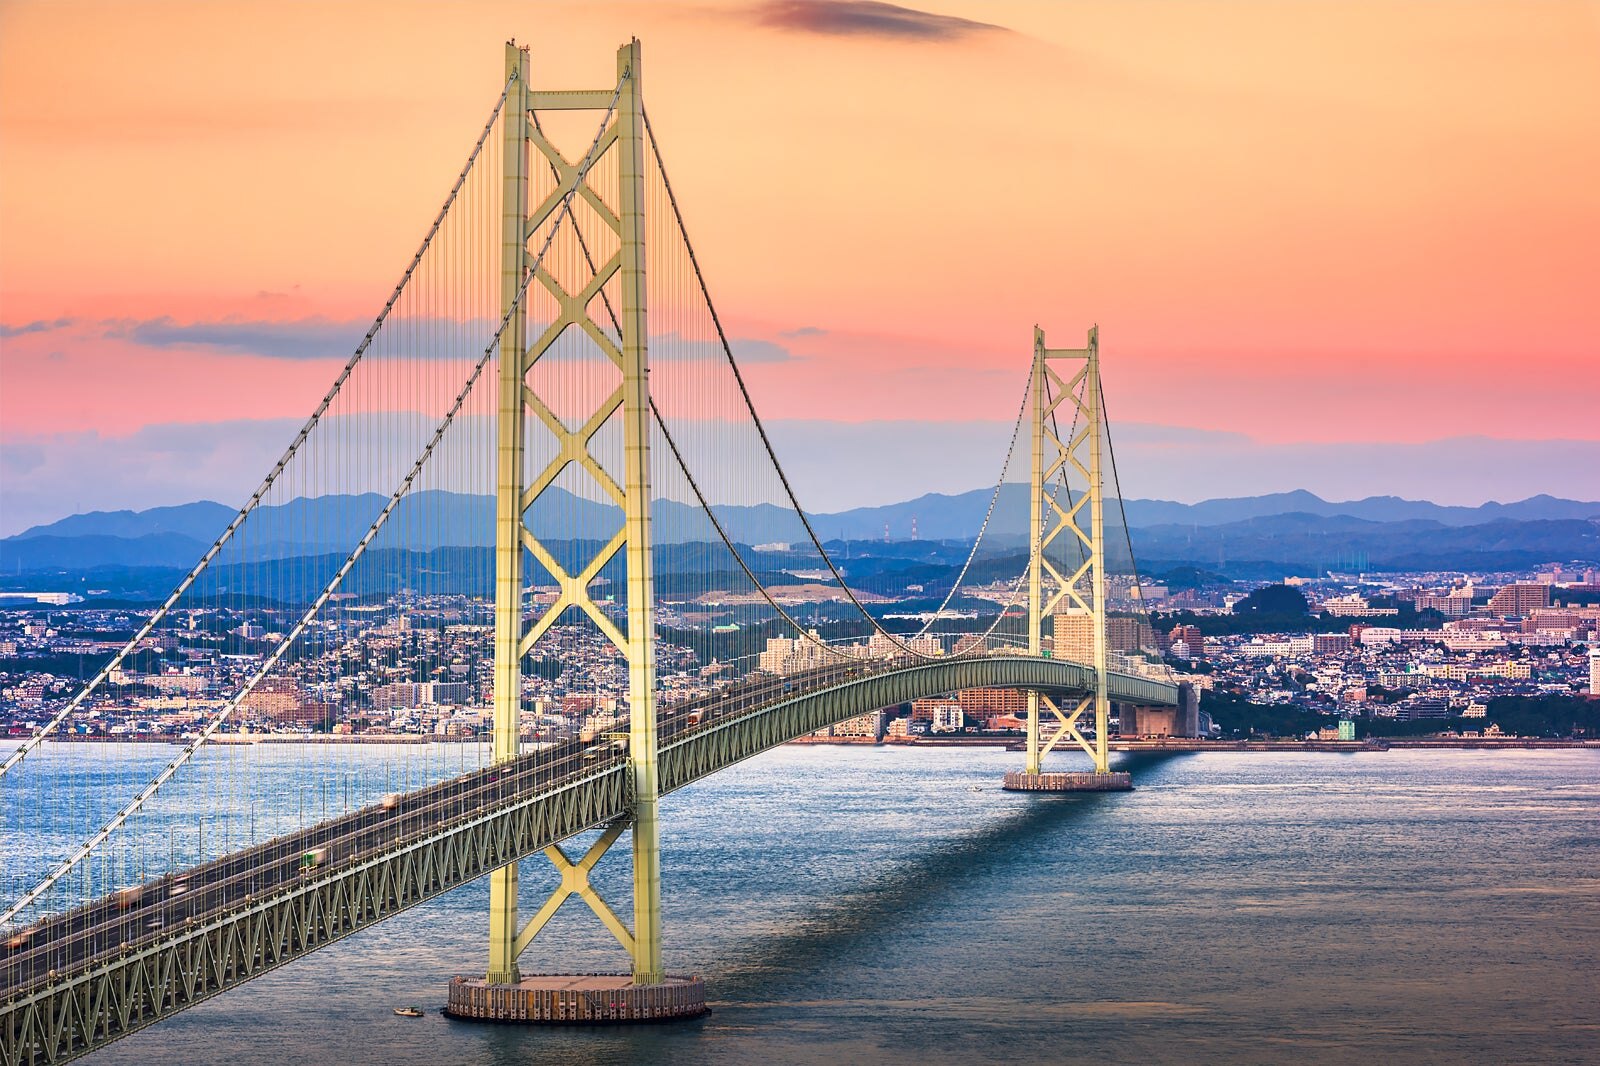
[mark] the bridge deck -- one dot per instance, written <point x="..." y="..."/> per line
<point x="81" y="979"/>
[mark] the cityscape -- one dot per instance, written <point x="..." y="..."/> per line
<point x="1400" y="655"/>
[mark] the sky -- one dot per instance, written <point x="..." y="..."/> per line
<point x="1342" y="246"/>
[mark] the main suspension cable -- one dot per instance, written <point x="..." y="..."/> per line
<point x="738" y="556"/>
<point x="994" y="498"/>
<point x="760" y="428"/>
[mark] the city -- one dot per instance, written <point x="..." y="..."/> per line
<point x="1401" y="655"/>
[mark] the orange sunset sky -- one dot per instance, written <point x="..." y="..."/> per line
<point x="1351" y="247"/>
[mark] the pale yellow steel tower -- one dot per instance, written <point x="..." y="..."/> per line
<point x="1049" y="590"/>
<point x="508" y="492"/>
<point x="1035" y="538"/>
<point x="641" y="587"/>
<point x="515" y="635"/>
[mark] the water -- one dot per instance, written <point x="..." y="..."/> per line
<point x="866" y="905"/>
<point x="229" y="796"/>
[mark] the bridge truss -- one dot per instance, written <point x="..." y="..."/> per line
<point x="475" y="825"/>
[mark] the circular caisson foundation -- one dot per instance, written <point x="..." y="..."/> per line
<point x="1114" y="781"/>
<point x="576" y="999"/>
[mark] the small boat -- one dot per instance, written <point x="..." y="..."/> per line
<point x="409" y="1012"/>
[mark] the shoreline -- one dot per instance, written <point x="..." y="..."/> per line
<point x="1179" y="744"/>
<point x="270" y="738"/>
<point x="1011" y="743"/>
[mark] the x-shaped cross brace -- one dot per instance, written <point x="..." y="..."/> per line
<point x="1069" y="725"/>
<point x="575" y="882"/>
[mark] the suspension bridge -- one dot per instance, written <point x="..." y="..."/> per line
<point x="540" y="485"/>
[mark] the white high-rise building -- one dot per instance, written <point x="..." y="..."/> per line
<point x="786" y="656"/>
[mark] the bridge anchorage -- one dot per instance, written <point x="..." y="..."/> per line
<point x="135" y="924"/>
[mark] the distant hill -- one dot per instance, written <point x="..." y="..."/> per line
<point x="1373" y="508"/>
<point x="200" y="521"/>
<point x="1307" y="544"/>
<point x="331" y="525"/>
<point x="959" y="517"/>
<point x="1282" y="529"/>
<point x="46" y="552"/>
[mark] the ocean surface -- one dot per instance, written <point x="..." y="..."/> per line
<point x="892" y="905"/>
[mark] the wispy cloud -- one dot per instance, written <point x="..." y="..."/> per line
<point x="869" y="18"/>
<point x="321" y="338"/>
<point x="306" y="338"/>
<point x="752" y="350"/>
<point x="310" y="338"/>
<point x="42" y="326"/>
<point x="674" y="348"/>
<point x="803" y="331"/>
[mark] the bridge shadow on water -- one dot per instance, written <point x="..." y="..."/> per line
<point x="828" y="931"/>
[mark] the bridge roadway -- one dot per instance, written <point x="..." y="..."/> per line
<point x="67" y="986"/>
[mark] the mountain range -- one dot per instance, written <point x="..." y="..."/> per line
<point x="959" y="516"/>
<point x="1292" y="530"/>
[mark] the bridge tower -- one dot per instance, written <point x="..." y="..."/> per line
<point x="1082" y="593"/>
<point x="647" y="993"/>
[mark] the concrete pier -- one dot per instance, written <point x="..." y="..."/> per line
<point x="1114" y="781"/>
<point x="576" y="999"/>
